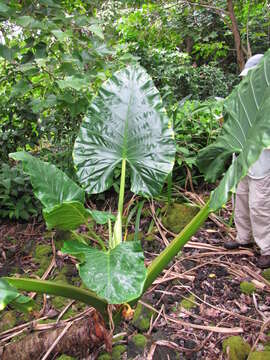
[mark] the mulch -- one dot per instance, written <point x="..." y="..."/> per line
<point x="205" y="274"/>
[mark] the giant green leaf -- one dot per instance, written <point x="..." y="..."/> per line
<point x="246" y="132"/>
<point x="117" y="275"/>
<point x="126" y="120"/>
<point x="66" y="216"/>
<point x="51" y="186"/>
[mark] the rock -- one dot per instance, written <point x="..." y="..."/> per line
<point x="141" y="318"/>
<point x="136" y="346"/>
<point x="247" y="287"/>
<point x="117" y="352"/>
<point x="178" y="216"/>
<point x="236" y="348"/>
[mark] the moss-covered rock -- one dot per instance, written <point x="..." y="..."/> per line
<point x="247" y="287"/>
<point x="139" y="340"/>
<point x="65" y="357"/>
<point x="136" y="346"/>
<point x="117" y="352"/>
<point x="188" y="303"/>
<point x="259" y="355"/>
<point x="236" y="348"/>
<point x="178" y="216"/>
<point x="8" y="320"/>
<point x="141" y="317"/>
<point x="266" y="274"/>
<point x="104" y="356"/>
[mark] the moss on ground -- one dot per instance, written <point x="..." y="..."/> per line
<point x="7" y="321"/>
<point x="117" y="352"/>
<point x="65" y="357"/>
<point x="42" y="257"/>
<point x="259" y="355"/>
<point x="266" y="274"/>
<point x="141" y="318"/>
<point x="238" y="348"/>
<point x="247" y="287"/>
<point x="188" y="303"/>
<point x="105" y="356"/>
<point x="139" y="340"/>
<point x="178" y="216"/>
<point x="130" y="237"/>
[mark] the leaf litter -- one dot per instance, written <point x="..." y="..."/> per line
<point x="205" y="274"/>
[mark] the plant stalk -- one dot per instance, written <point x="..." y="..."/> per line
<point x="163" y="259"/>
<point x="117" y="231"/>
<point x="67" y="291"/>
<point x="122" y="188"/>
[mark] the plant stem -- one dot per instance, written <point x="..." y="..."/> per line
<point x="117" y="231"/>
<point x="122" y="188"/>
<point x="162" y="260"/>
<point x="97" y="237"/>
<point x="67" y="291"/>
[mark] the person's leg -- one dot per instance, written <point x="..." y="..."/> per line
<point x="242" y="213"/>
<point x="259" y="203"/>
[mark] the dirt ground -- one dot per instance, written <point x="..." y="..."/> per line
<point x="200" y="300"/>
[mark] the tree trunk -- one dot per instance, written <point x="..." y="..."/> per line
<point x="236" y="35"/>
<point x="82" y="337"/>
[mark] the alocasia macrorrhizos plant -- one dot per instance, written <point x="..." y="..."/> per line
<point x="126" y="124"/>
<point x="246" y="132"/>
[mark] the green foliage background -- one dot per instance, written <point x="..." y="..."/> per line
<point x="54" y="55"/>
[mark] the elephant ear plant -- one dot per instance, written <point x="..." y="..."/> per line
<point x="126" y="125"/>
<point x="246" y="132"/>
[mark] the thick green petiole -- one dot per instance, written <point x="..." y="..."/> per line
<point x="117" y="231"/>
<point x="67" y="291"/>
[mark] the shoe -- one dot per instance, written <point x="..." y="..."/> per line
<point x="264" y="262"/>
<point x="231" y="245"/>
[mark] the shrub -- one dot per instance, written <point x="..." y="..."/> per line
<point x="16" y="195"/>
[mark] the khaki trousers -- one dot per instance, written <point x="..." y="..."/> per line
<point x="252" y="212"/>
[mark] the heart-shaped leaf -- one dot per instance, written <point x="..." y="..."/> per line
<point x="51" y="185"/>
<point x="117" y="275"/>
<point x="125" y="121"/>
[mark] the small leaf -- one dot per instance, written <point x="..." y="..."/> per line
<point x="117" y="275"/>
<point x="6" y="52"/>
<point x="96" y="29"/>
<point x="73" y="82"/>
<point x="101" y="217"/>
<point x="66" y="216"/>
<point x="4" y="8"/>
<point x="60" y="35"/>
<point x="20" y="88"/>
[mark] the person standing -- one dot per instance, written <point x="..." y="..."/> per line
<point x="252" y="202"/>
